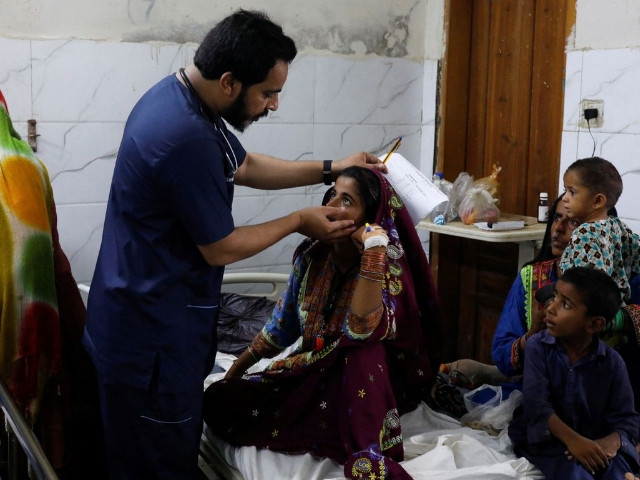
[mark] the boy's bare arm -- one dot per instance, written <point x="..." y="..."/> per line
<point x="610" y="444"/>
<point x="588" y="452"/>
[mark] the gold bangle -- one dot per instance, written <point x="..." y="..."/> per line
<point x="371" y="272"/>
<point x="379" y="279"/>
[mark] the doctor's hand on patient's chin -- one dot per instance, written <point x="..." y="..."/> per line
<point x="325" y="223"/>
<point x="360" y="159"/>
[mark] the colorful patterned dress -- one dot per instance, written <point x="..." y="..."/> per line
<point x="344" y="401"/>
<point x="608" y="245"/>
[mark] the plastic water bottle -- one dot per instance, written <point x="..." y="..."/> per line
<point x="437" y="214"/>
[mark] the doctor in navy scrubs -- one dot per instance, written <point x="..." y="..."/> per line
<point x="168" y="232"/>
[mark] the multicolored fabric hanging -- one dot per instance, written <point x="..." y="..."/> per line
<point x="30" y="336"/>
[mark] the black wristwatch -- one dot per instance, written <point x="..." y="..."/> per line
<point x="326" y="172"/>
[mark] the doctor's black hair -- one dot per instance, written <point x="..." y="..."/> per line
<point x="247" y="44"/>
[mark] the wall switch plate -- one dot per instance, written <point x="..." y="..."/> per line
<point x="594" y="122"/>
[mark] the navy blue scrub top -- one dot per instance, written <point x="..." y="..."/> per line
<point x="153" y="304"/>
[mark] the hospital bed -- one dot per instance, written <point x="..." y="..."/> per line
<point x="19" y="435"/>
<point x="437" y="446"/>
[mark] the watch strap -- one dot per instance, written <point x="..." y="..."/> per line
<point x="326" y="172"/>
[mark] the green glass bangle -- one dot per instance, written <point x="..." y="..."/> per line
<point x="618" y="325"/>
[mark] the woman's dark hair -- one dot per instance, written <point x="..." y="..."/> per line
<point x="599" y="176"/>
<point x="545" y="253"/>
<point x="247" y="44"/>
<point x="600" y="293"/>
<point x="368" y="189"/>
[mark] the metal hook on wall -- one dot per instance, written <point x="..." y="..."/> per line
<point x="32" y="135"/>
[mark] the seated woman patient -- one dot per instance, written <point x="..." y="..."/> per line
<point x="366" y="312"/>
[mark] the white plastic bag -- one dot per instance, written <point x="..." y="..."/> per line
<point x="462" y="183"/>
<point x="492" y="417"/>
<point x="485" y="395"/>
<point x="445" y="187"/>
<point x="478" y="206"/>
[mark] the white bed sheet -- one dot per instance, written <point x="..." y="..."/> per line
<point x="437" y="447"/>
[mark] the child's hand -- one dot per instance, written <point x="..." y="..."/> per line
<point x="538" y="321"/>
<point x="610" y="444"/>
<point x="589" y="453"/>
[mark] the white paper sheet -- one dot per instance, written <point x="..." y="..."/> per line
<point x="418" y="193"/>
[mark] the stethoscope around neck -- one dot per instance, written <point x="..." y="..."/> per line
<point x="231" y="167"/>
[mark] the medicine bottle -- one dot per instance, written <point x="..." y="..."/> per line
<point x="543" y="207"/>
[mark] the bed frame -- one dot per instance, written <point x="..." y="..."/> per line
<point x="258" y="284"/>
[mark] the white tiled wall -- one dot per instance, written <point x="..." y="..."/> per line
<point x="612" y="76"/>
<point x="80" y="92"/>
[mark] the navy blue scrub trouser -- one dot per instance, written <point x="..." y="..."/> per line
<point x="149" y="435"/>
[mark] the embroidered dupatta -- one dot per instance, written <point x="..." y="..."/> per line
<point x="535" y="276"/>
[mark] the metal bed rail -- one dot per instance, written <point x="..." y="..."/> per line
<point x="17" y="427"/>
<point x="275" y="282"/>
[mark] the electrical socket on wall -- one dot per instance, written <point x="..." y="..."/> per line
<point x="596" y="122"/>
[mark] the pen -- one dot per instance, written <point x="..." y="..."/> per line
<point x="395" y="147"/>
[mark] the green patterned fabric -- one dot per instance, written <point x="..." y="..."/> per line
<point x="30" y="339"/>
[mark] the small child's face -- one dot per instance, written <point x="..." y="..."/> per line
<point x="566" y="314"/>
<point x="578" y="199"/>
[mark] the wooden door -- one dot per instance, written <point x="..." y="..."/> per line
<point x="501" y="103"/>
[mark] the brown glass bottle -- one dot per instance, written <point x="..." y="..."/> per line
<point x="543" y="207"/>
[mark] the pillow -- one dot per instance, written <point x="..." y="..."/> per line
<point x="241" y="318"/>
